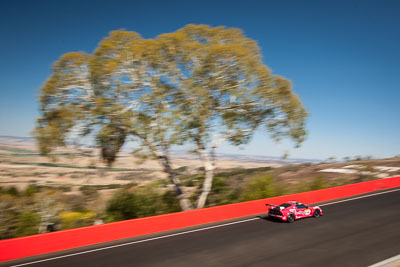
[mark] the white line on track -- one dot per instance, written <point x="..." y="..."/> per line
<point x="387" y="262"/>
<point x="135" y="242"/>
<point x="354" y="198"/>
<point x="185" y="232"/>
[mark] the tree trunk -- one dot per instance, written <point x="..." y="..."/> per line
<point x="163" y="158"/>
<point x="208" y="165"/>
<point x="44" y="221"/>
<point x="183" y="200"/>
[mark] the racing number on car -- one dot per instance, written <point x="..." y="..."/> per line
<point x="303" y="212"/>
<point x="299" y="212"/>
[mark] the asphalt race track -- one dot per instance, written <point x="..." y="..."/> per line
<point x="359" y="232"/>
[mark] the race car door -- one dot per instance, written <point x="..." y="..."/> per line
<point x="301" y="210"/>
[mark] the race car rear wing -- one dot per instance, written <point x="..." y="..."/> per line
<point x="271" y="205"/>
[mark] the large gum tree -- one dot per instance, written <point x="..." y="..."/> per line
<point x="224" y="92"/>
<point x="199" y="85"/>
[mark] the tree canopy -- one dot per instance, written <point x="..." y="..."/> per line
<point x="198" y="85"/>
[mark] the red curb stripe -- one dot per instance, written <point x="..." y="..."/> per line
<point x="21" y="247"/>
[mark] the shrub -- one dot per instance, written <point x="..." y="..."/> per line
<point x="28" y="224"/>
<point x="31" y="190"/>
<point x="188" y="183"/>
<point x="319" y="182"/>
<point x="169" y="203"/>
<point x="76" y="219"/>
<point x="262" y="187"/>
<point x="89" y="191"/>
<point x="219" y="184"/>
<point x="125" y="205"/>
<point x="366" y="173"/>
<point x="9" y="211"/>
<point x="12" y="191"/>
<point x="143" y="202"/>
<point x="75" y="203"/>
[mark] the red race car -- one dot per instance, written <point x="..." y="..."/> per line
<point x="292" y="210"/>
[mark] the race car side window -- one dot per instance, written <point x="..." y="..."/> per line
<point x="301" y="206"/>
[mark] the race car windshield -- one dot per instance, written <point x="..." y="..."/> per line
<point x="285" y="205"/>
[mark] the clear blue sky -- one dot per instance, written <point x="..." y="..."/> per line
<point x="343" y="58"/>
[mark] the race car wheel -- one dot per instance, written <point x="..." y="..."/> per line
<point x="317" y="213"/>
<point x="290" y="218"/>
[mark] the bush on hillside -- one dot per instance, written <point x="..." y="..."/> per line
<point x="28" y="224"/>
<point x="76" y="219"/>
<point x="319" y="182"/>
<point x="262" y="187"/>
<point x="141" y="202"/>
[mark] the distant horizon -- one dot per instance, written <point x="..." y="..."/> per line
<point x="221" y="154"/>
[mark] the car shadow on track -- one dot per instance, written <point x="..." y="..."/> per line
<point x="270" y="219"/>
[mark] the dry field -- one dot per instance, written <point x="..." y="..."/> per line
<point x="21" y="165"/>
<point x="354" y="170"/>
